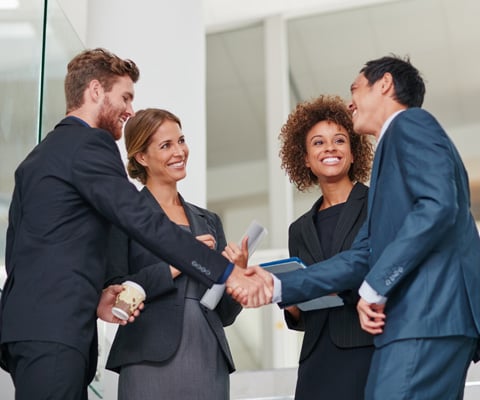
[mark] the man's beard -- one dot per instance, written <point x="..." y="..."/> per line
<point x="108" y="119"/>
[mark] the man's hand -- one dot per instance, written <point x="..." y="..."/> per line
<point x="107" y="301"/>
<point x="372" y="318"/>
<point x="251" y="287"/>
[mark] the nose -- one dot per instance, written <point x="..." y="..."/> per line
<point x="179" y="150"/>
<point x="330" y="146"/>
<point x="350" y="107"/>
<point x="129" y="110"/>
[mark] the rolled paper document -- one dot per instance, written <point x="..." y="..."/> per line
<point x="255" y="234"/>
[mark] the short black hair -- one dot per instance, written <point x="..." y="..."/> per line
<point x="408" y="82"/>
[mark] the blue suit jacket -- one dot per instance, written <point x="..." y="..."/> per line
<point x="419" y="246"/>
<point x="157" y="334"/>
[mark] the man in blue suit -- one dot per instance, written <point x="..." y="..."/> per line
<point x="418" y="253"/>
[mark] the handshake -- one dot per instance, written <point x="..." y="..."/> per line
<point x="251" y="287"/>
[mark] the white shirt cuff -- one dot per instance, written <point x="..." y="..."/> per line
<point x="277" y="290"/>
<point x="370" y="295"/>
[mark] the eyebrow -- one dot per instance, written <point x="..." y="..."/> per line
<point x="318" y="135"/>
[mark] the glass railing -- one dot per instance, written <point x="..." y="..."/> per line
<point x="37" y="41"/>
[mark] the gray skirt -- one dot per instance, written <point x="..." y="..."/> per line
<point x="198" y="370"/>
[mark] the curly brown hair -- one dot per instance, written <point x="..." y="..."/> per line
<point x="293" y="137"/>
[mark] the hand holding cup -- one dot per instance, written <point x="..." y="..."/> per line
<point x="128" y="300"/>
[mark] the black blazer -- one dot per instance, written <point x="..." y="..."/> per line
<point x="155" y="336"/>
<point x="67" y="192"/>
<point x="343" y="322"/>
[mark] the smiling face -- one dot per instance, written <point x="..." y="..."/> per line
<point x="366" y="106"/>
<point x="116" y="107"/>
<point x="329" y="155"/>
<point x="165" y="159"/>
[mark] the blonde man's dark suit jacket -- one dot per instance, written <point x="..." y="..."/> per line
<point x="68" y="191"/>
<point x="343" y="324"/>
<point x="156" y="335"/>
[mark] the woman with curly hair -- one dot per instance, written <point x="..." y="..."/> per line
<point x="320" y="148"/>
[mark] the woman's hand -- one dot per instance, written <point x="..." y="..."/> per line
<point x="208" y="239"/>
<point x="237" y="255"/>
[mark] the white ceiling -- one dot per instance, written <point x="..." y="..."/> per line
<point x="225" y="14"/>
<point x="326" y="51"/>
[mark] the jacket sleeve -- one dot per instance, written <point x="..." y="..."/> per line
<point x="427" y="169"/>
<point x="98" y="174"/>
<point x="156" y="279"/>
<point x="227" y="308"/>
<point x="341" y="272"/>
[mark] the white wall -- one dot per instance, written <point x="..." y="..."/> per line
<point x="167" y="41"/>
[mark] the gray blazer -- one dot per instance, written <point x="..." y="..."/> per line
<point x="156" y="334"/>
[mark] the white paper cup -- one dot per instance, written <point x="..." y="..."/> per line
<point x="128" y="300"/>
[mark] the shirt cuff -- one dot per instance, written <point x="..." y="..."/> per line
<point x="226" y="273"/>
<point x="370" y="295"/>
<point x="277" y="290"/>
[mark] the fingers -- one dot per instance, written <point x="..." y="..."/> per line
<point x="294" y="312"/>
<point x="371" y="316"/>
<point x="107" y="301"/>
<point x="208" y="240"/>
<point x="267" y="280"/>
<point x="250" y="288"/>
<point x="261" y="291"/>
<point x="244" y="245"/>
<point x="237" y="255"/>
<point x="113" y="290"/>
<point x="175" y="272"/>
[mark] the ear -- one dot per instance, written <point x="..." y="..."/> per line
<point x="95" y="90"/>
<point x="140" y="158"/>
<point x="387" y="84"/>
<point x="307" y="163"/>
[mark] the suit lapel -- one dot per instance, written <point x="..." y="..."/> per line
<point x="348" y="217"/>
<point x="196" y="219"/>
<point x="375" y="171"/>
<point x="309" y="232"/>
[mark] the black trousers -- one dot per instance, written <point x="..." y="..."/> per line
<point x="47" y="370"/>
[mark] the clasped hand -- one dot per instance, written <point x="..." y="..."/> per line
<point x="251" y="287"/>
<point x="372" y="316"/>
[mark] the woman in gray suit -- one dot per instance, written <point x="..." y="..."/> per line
<point x="320" y="148"/>
<point x="177" y="348"/>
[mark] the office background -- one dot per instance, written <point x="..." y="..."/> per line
<point x="232" y="71"/>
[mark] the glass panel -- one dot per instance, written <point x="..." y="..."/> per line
<point x="21" y="37"/>
<point x="21" y="26"/>
<point x="62" y="44"/>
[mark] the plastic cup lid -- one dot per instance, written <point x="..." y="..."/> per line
<point x="119" y="313"/>
<point x="136" y="286"/>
